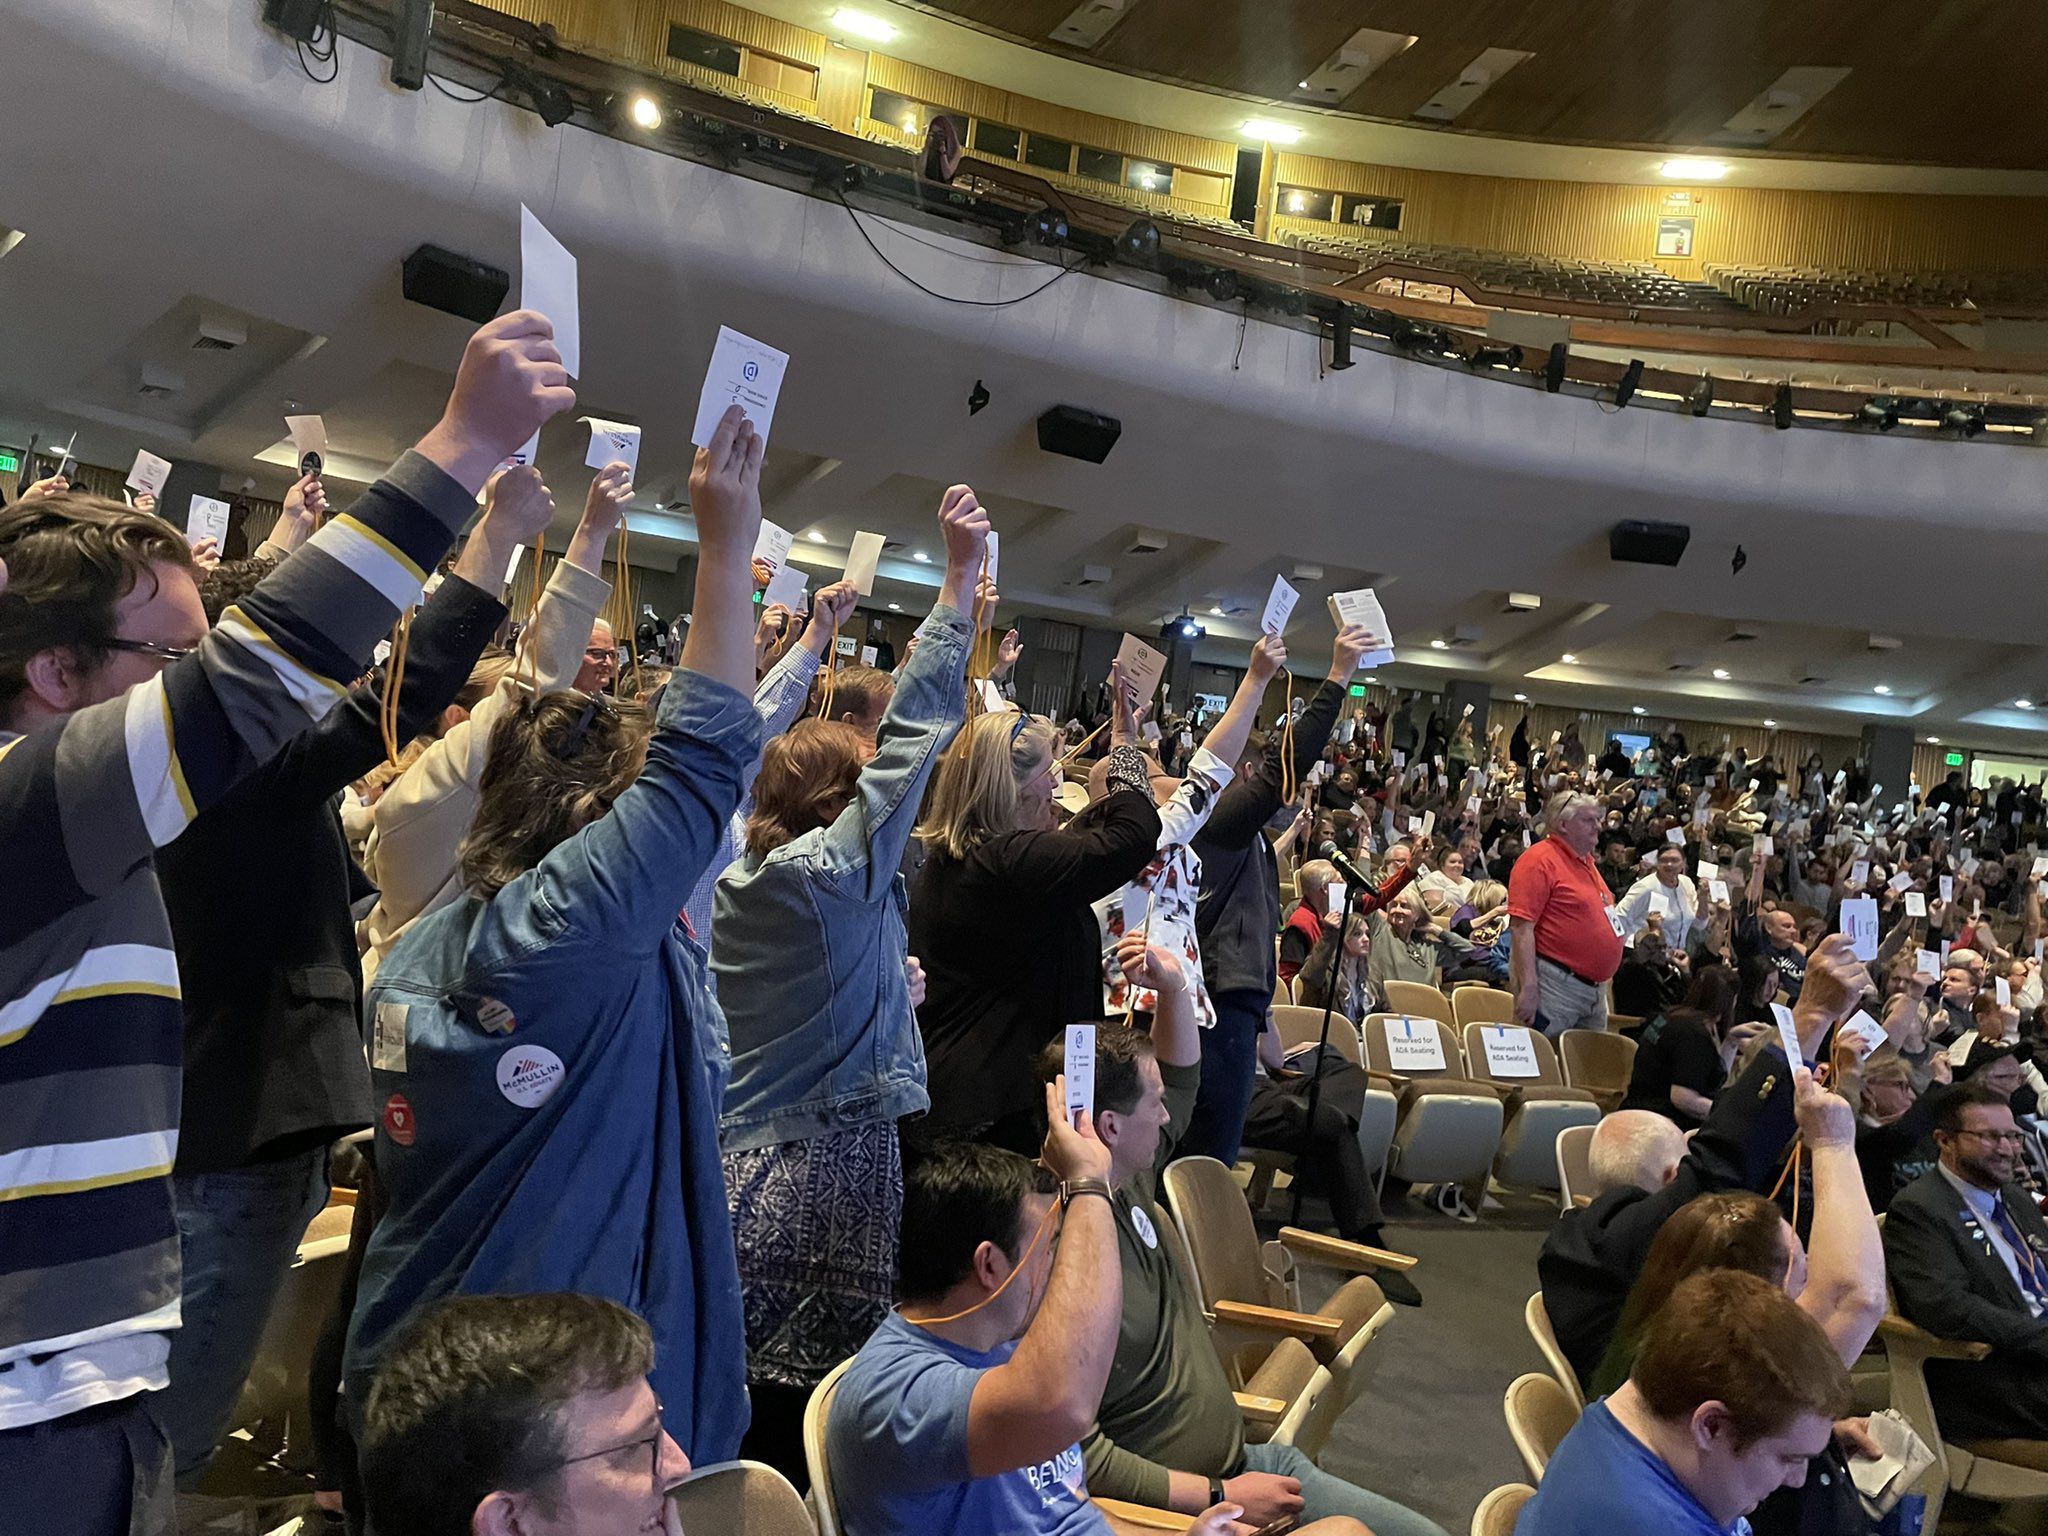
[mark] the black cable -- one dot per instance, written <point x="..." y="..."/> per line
<point x="332" y="54"/>
<point x="853" y="214"/>
<point x="490" y="95"/>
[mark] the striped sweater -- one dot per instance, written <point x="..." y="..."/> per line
<point x="90" y="1021"/>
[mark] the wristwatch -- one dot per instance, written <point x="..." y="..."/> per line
<point x="1073" y="1189"/>
<point x="1215" y="1491"/>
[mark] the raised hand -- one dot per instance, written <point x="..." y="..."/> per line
<point x="49" y="485"/>
<point x="1825" y="1119"/>
<point x="725" y="483"/>
<point x="206" y="553"/>
<point x="1123" y="724"/>
<point x="1269" y="655"/>
<point x="1353" y="641"/>
<point x="964" y="526"/>
<point x="832" y="605"/>
<point x="1071" y="1152"/>
<point x="774" y="619"/>
<point x="519" y="504"/>
<point x="1149" y="966"/>
<point x="509" y="383"/>
<point x="144" y="502"/>
<point x="1008" y="650"/>
<point x="610" y="491"/>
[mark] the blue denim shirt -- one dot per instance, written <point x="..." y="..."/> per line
<point x="808" y="943"/>
<point x="547" y="1066"/>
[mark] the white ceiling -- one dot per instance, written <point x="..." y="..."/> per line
<point x="219" y="173"/>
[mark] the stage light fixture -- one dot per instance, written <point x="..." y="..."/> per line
<point x="1048" y="226"/>
<point x="1222" y="284"/>
<point x="1781" y="408"/>
<point x="1509" y="357"/>
<point x="550" y="98"/>
<point x="1631" y="376"/>
<point x="1879" y="411"/>
<point x="1963" y="419"/>
<point x="1701" y="400"/>
<point x="1139" y="243"/>
<point x="1553" y="369"/>
<point x="1340" y="339"/>
<point x="977" y="398"/>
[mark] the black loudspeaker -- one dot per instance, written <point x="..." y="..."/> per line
<point x="1648" y="543"/>
<point x="410" y="38"/>
<point x="297" y="19"/>
<point x="454" y="284"/>
<point x="1078" y="434"/>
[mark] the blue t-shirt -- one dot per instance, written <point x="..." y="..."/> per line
<point x="897" y="1447"/>
<point x="1603" y="1480"/>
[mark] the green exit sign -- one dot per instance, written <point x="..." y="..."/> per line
<point x="1358" y="690"/>
<point x="10" y="463"/>
<point x="1954" y="759"/>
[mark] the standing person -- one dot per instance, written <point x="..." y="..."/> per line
<point x="122" y="716"/>
<point x="825" y="1056"/>
<point x="274" y="1068"/>
<point x="546" y="1050"/>
<point x="1001" y="916"/>
<point x="1667" y="893"/>
<point x="1565" y="940"/>
<point x="1238" y="910"/>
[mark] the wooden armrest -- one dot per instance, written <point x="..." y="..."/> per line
<point x="340" y="1194"/>
<point x="1303" y="1325"/>
<point x="1932" y="1346"/>
<point x="1339" y="1253"/>
<point x="1141" y="1516"/>
<point x="1260" y="1410"/>
<point x="1391" y="1081"/>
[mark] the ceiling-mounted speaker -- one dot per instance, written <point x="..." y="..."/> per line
<point x="1078" y="434"/>
<point x="1648" y="543"/>
<point x="454" y="284"/>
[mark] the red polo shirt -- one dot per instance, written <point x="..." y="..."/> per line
<point x="1561" y="892"/>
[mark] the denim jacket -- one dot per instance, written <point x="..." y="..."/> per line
<point x="547" y="1070"/>
<point x="808" y="943"/>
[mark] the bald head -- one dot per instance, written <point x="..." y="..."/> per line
<point x="1634" y="1146"/>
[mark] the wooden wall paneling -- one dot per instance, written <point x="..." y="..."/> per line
<point x="843" y="87"/>
<point x="940" y="88"/>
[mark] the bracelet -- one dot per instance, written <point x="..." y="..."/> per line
<point x="1072" y="1190"/>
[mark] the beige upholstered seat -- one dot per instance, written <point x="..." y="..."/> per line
<point x="741" y="1498"/>
<point x="1538" y="1106"/>
<point x="1540" y="1414"/>
<point x="1537" y="1318"/>
<point x="1500" y="1509"/>
<point x="1599" y="1062"/>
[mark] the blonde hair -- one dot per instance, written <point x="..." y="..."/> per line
<point x="1487" y="895"/>
<point x="974" y="793"/>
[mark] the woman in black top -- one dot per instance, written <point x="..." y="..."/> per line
<point x="1000" y="917"/>
<point x="1683" y="1054"/>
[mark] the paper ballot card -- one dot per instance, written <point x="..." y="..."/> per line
<point x="868" y="653"/>
<point x="1363" y="609"/>
<point x="1763" y="844"/>
<point x="1143" y="667"/>
<point x="308" y="436"/>
<point x="863" y="559"/>
<point x="1927" y="963"/>
<point x="1865" y="1031"/>
<point x="1336" y="899"/>
<point x="1788" y="1033"/>
<point x="547" y="284"/>
<point x="206" y="518"/>
<point x="2004" y="991"/>
<point x="610" y="441"/>
<point x="1859" y="872"/>
<point x="1413" y="1045"/>
<point x="1859" y="922"/>
<point x="771" y="547"/>
<point x="150" y="473"/>
<point x="1916" y="904"/>
<point x="1137" y="902"/>
<point x="1279" y="607"/>
<point x="743" y="372"/>
<point x="1675" y="836"/>
<point x="1509" y="1051"/>
<point x="1900" y="881"/>
<point x="1948" y="887"/>
<point x="789" y="587"/>
<point x="1717" y="892"/>
<point x="993" y="702"/>
<point x="512" y="565"/>
<point x="2040" y="861"/>
<point x="991" y="550"/>
<point x="1080" y="1072"/>
<point x="1709" y="870"/>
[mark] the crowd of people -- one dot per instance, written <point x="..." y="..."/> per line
<point x="709" y="1015"/>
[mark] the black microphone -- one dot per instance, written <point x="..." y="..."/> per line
<point x="1356" y="880"/>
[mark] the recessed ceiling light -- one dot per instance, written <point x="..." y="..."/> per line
<point x="1687" y="168"/>
<point x="1770" y="725"/>
<point x="895" y="607"/>
<point x="1217" y="612"/>
<point x="646" y="113"/>
<point x="1637" y="709"/>
<point x="815" y="536"/>
<point x="1272" y="132"/>
<point x="1882" y="688"/>
<point x="2023" y="703"/>
<point x="1934" y="741"/>
<point x="1567" y="658"/>
<point x="1303" y="86"/>
<point x="1720" y="674"/>
<point x="860" y="24"/>
<point x="920" y="557"/>
<point x="1521" y="698"/>
<point x="1438" y="645"/>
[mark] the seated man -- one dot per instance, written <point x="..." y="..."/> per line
<point x="1967" y="1253"/>
<point x="960" y="1415"/>
<point x="1168" y="1433"/>
<point x="1593" y="1255"/>
<point x="494" y="1415"/>
<point x="1634" y="1149"/>
<point x="1734" y="1388"/>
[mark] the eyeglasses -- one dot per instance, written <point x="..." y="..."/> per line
<point x="1998" y="1138"/>
<point x="652" y="1442"/>
<point x="598" y="653"/>
<point x="152" y="648"/>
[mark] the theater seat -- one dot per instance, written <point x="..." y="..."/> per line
<point x="1448" y="1127"/>
<point x="1574" y="1165"/>
<point x="1540" y="1414"/>
<point x="817" y="1414"/>
<point x="1500" y="1509"/>
<point x="272" y="1406"/>
<point x="740" y="1498"/>
<point x="2002" y="1471"/>
<point x="1539" y="1105"/>
<point x="1536" y="1317"/>
<point x="1423" y="1002"/>
<point x="1476" y="1003"/>
<point x="1599" y="1062"/>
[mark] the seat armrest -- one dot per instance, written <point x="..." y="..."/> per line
<point x="1393" y="1082"/>
<point x="1895" y="1330"/>
<point x="1302" y="1325"/>
<point x="1337" y="1253"/>
<point x="1260" y="1410"/>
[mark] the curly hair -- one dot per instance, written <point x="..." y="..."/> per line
<point x="70" y="561"/>
<point x="556" y="764"/>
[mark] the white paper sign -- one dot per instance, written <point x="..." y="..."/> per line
<point x="1948" y="887"/>
<point x="771" y="547"/>
<point x="1148" y="730"/>
<point x="206" y="519"/>
<point x="1336" y="899"/>
<point x="1763" y="844"/>
<point x="150" y="473"/>
<point x="1927" y="963"/>
<point x="789" y="587"/>
<point x="1788" y="1034"/>
<point x="1675" y="836"/>
<point x="1414" y="824"/>
<point x="1363" y="609"/>
<point x="547" y="284"/>
<point x="743" y="372"/>
<point x="1279" y="607"/>
<point x="1717" y="892"/>
<point x="993" y="702"/>
<point x="612" y="441"/>
<point x="863" y="558"/>
<point x="2004" y="991"/>
<point x="1142" y="666"/>
<point x="1509" y="1051"/>
<point x="1413" y="1045"/>
<point x="512" y="566"/>
<point x="1859" y="872"/>
<point x="308" y="435"/>
<point x="1472" y="805"/>
<point x="2040" y="862"/>
<point x="1859" y="922"/>
<point x="1080" y="1072"/>
<point x="1916" y="904"/>
<point x="1864" y="1031"/>
<point x="990" y="552"/>
<point x="1137" y="902"/>
<point x="1709" y="870"/>
<point x="868" y="653"/>
<point x="1900" y="881"/>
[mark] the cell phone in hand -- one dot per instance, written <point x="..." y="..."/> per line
<point x="1278" y="1527"/>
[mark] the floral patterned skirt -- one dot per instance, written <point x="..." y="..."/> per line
<point x="816" y="1224"/>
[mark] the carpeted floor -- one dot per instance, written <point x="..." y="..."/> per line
<point x="1430" y="1432"/>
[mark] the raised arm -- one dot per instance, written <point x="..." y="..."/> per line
<point x="1213" y="763"/>
<point x="1844" y="1290"/>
